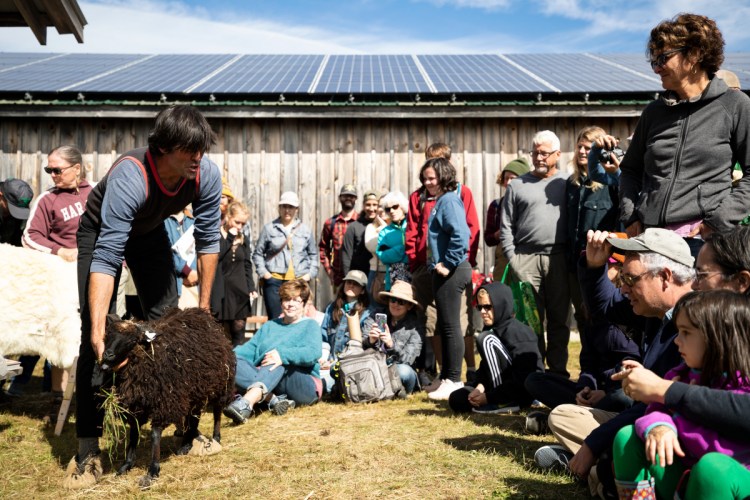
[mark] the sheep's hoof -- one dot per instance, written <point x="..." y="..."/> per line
<point x="124" y="468"/>
<point x="147" y="481"/>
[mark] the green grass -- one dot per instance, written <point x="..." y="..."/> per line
<point x="413" y="448"/>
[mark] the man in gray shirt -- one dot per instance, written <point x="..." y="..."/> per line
<point x="532" y="234"/>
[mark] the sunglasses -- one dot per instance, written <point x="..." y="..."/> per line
<point x="631" y="280"/>
<point x="391" y="209"/>
<point x="57" y="171"/>
<point x="484" y="307"/>
<point x="662" y="58"/>
<point x="400" y="302"/>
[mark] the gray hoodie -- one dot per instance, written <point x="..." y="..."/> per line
<point x="679" y="165"/>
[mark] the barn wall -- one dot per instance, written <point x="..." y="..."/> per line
<point x="263" y="157"/>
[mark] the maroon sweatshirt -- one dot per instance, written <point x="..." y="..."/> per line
<point x="53" y="221"/>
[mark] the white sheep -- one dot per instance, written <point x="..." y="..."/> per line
<point x="38" y="306"/>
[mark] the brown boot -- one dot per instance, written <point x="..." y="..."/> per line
<point x="636" y="490"/>
<point x="83" y="475"/>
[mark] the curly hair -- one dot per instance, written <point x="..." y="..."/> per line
<point x="697" y="34"/>
<point x="445" y="172"/>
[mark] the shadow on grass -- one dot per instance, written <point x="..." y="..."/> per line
<point x="528" y="488"/>
<point x="514" y="422"/>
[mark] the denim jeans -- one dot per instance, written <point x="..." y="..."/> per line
<point x="297" y="385"/>
<point x="408" y="376"/>
<point x="271" y="297"/>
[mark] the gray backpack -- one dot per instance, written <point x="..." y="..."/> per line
<point x="365" y="376"/>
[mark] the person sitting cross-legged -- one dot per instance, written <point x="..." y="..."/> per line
<point x="509" y="353"/>
<point x="280" y="363"/>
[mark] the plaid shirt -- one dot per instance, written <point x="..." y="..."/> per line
<point x="331" y="242"/>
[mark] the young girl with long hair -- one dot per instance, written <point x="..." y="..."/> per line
<point x="714" y="341"/>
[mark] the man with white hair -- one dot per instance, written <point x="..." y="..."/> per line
<point x="532" y="234"/>
<point x="657" y="272"/>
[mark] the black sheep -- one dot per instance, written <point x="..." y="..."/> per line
<point x="175" y="366"/>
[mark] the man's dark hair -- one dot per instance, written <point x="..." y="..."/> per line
<point x="180" y="128"/>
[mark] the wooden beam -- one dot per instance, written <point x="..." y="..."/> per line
<point x="66" y="17"/>
<point x="33" y="19"/>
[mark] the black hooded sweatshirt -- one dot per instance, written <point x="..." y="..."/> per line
<point x="521" y="356"/>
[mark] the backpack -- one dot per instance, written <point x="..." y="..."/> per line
<point x="365" y="376"/>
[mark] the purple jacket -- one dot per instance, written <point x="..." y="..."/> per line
<point x="695" y="439"/>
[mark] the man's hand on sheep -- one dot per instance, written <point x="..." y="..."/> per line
<point x="271" y="359"/>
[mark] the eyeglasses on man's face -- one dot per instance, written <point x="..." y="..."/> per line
<point x="542" y="155"/>
<point x="631" y="280"/>
<point x="484" y="307"/>
<point x="660" y="60"/>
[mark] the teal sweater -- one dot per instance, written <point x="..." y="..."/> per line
<point x="299" y="345"/>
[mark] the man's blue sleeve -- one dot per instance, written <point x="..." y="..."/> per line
<point x="206" y="208"/>
<point x="125" y="195"/>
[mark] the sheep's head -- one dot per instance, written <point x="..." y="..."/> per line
<point x="119" y="339"/>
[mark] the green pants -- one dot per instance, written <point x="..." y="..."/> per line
<point x="717" y="476"/>
<point x="629" y="456"/>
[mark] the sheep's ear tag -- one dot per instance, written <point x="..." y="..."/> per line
<point x="150" y="336"/>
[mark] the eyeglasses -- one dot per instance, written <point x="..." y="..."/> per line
<point x="630" y="280"/>
<point x="542" y="155"/>
<point x="400" y="302"/>
<point x="57" y="171"/>
<point x="662" y="58"/>
<point x="393" y="208"/>
<point x="484" y="307"/>
<point x="702" y="275"/>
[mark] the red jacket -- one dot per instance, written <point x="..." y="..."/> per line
<point x="416" y="226"/>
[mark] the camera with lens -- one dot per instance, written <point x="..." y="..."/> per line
<point x="604" y="154"/>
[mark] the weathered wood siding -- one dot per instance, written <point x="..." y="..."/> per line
<point x="263" y="157"/>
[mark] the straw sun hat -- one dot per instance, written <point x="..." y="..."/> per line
<point x="400" y="290"/>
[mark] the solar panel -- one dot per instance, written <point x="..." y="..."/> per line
<point x="360" y="74"/>
<point x="479" y="73"/>
<point x="57" y="73"/>
<point x="264" y="74"/>
<point x="9" y="60"/>
<point x="164" y="73"/>
<point x="587" y="73"/>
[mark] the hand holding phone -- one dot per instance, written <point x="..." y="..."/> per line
<point x="380" y="320"/>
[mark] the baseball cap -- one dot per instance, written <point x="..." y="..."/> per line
<point x="18" y="194"/>
<point x="349" y="189"/>
<point x="289" y="198"/>
<point x="356" y="276"/>
<point x="657" y="240"/>
<point x="371" y="194"/>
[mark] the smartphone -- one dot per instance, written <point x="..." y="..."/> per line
<point x="381" y="319"/>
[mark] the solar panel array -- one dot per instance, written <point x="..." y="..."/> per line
<point x="231" y="74"/>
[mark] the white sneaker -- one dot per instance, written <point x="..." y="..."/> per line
<point x="444" y="391"/>
<point x="433" y="386"/>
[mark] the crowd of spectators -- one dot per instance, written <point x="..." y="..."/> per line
<point x="644" y="248"/>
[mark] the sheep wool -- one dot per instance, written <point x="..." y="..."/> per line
<point x="39" y="304"/>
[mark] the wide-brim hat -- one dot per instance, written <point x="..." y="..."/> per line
<point x="657" y="240"/>
<point x="400" y="290"/>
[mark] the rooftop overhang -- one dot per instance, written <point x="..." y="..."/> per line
<point x="64" y="15"/>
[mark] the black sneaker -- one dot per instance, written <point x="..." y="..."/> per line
<point x="553" y="457"/>
<point x="279" y="405"/>
<point x="536" y="423"/>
